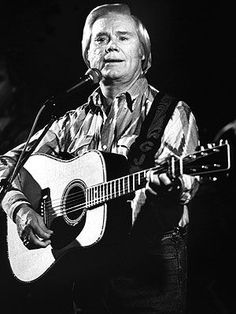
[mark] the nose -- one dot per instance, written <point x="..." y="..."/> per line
<point x="111" y="46"/>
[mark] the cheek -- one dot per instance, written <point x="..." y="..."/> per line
<point x="134" y="60"/>
<point x="133" y="55"/>
<point x="95" y="56"/>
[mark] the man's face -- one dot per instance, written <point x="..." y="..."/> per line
<point x="115" y="48"/>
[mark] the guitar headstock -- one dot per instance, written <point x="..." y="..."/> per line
<point x="210" y="160"/>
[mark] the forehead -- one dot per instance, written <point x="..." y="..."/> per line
<point x="115" y="22"/>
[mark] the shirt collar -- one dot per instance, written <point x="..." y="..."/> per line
<point x="140" y="87"/>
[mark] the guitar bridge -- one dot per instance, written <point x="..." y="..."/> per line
<point x="45" y="205"/>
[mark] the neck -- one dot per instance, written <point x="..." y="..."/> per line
<point x="110" y="92"/>
<point x="111" y="89"/>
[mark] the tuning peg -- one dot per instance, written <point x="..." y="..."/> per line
<point x="223" y="141"/>
<point x="211" y="145"/>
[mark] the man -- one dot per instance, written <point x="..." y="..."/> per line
<point x="148" y="274"/>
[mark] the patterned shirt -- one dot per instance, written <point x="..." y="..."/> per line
<point x="90" y="126"/>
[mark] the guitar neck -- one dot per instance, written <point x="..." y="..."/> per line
<point x="113" y="189"/>
<point x="204" y="162"/>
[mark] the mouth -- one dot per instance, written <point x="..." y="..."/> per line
<point x="112" y="61"/>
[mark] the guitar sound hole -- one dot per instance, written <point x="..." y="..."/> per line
<point x="71" y="223"/>
<point x="74" y="205"/>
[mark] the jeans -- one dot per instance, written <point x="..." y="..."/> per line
<point x="149" y="280"/>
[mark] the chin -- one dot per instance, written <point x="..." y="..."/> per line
<point x="112" y="75"/>
<point x="112" y="72"/>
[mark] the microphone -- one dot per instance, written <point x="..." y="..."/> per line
<point x="92" y="75"/>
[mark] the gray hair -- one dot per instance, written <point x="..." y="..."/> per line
<point x="124" y="9"/>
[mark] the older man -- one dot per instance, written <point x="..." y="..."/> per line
<point x="125" y="115"/>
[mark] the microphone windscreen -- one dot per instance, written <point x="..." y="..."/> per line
<point x="94" y="74"/>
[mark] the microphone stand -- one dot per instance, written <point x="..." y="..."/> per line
<point x="5" y="183"/>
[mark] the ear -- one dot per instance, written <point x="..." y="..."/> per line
<point x="141" y="53"/>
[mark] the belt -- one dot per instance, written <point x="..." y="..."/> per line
<point x="176" y="231"/>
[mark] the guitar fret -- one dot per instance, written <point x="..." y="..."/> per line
<point x="87" y="197"/>
<point x="121" y="186"/>
<point x="98" y="192"/>
<point x="115" y="184"/>
<point x="112" y="188"/>
<point x="102" y="192"/>
<point x="95" y="194"/>
<point x="117" y="187"/>
<point x="107" y="191"/>
<point x="139" y="178"/>
<point x="136" y="179"/>
<point x="92" y="196"/>
<point x="133" y="182"/>
<point x="125" y="184"/>
<point x="128" y="186"/>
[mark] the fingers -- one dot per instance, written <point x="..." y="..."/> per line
<point x="37" y="242"/>
<point x="32" y="241"/>
<point x="160" y="184"/>
<point x="156" y="183"/>
<point x="40" y="228"/>
<point x="32" y="230"/>
<point x="35" y="238"/>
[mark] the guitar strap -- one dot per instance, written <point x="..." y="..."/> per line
<point x="154" y="219"/>
<point x="142" y="151"/>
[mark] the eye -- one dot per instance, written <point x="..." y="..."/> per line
<point x="123" y="38"/>
<point x="101" y="39"/>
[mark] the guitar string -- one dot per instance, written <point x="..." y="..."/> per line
<point x="73" y="196"/>
<point x="57" y="209"/>
<point x="60" y="211"/>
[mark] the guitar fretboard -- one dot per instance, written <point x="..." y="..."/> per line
<point x="191" y="164"/>
<point x="106" y="191"/>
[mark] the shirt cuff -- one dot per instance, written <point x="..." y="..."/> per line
<point x="12" y="201"/>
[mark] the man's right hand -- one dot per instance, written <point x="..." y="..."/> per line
<point x="31" y="228"/>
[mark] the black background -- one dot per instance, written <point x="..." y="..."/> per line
<point x="193" y="57"/>
<point x="192" y="47"/>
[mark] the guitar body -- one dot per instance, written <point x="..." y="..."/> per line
<point x="50" y="184"/>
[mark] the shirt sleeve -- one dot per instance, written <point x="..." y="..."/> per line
<point x="181" y="138"/>
<point x="52" y="143"/>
